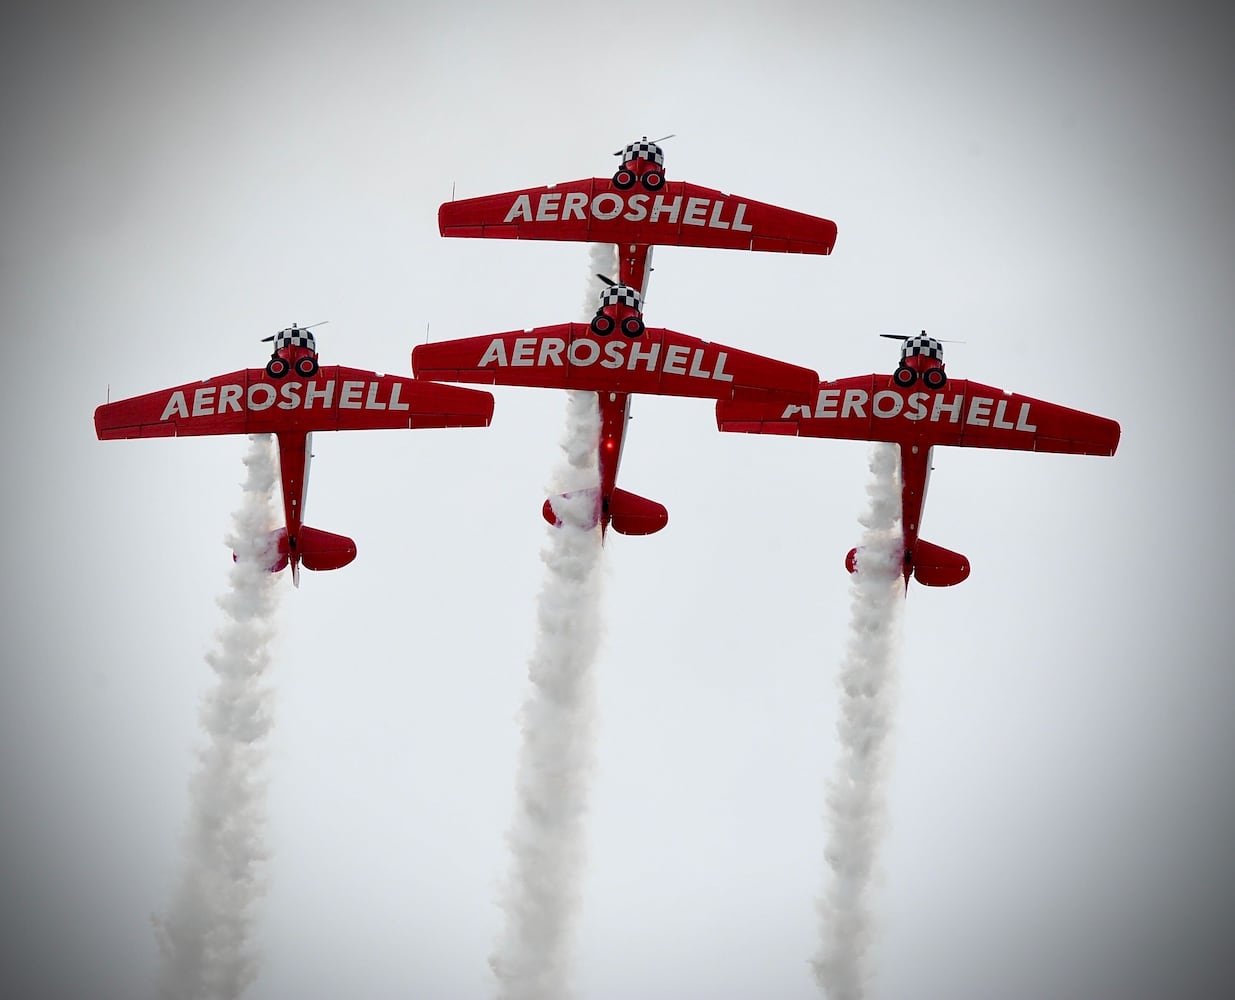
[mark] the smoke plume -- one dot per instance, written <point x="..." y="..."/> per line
<point x="855" y="799"/>
<point x="205" y="937"/>
<point x="547" y="837"/>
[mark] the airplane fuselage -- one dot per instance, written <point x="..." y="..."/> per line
<point x="295" y="454"/>
<point x="615" y="406"/>
<point x="614" y="415"/>
<point x="915" y="478"/>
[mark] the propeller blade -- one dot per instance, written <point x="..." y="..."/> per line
<point x="294" y="327"/>
<point x="903" y="336"/>
<point x="608" y="281"/>
<point x="671" y="135"/>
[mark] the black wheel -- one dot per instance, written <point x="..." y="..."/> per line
<point x="904" y="376"/>
<point x="632" y="326"/>
<point x="934" y="378"/>
<point x="306" y="367"/>
<point x="653" y="180"/>
<point x="624" y="179"/>
<point x="602" y="324"/>
<point x="277" y="367"/>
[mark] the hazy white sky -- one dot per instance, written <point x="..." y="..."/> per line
<point x="1050" y="184"/>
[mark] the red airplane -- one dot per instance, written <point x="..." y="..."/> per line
<point x="575" y="355"/>
<point x="916" y="408"/>
<point x="649" y="360"/>
<point x="664" y="213"/>
<point x="290" y="398"/>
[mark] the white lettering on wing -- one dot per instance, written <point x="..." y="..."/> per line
<point x="203" y="401"/>
<point x="175" y="406"/>
<point x="558" y="206"/>
<point x="887" y="404"/>
<point x="634" y="355"/>
<point x="261" y="396"/>
<point x="216" y="400"/>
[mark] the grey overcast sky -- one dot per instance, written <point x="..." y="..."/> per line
<point x="1049" y="183"/>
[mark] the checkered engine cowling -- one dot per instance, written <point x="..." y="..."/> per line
<point x="922" y="345"/>
<point x="294" y="337"/>
<point x="621" y="295"/>
<point x="644" y="151"/>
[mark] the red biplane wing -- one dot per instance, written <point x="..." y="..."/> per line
<point x="962" y="413"/>
<point x="251" y="402"/>
<point x="679" y="214"/>
<point x="659" y="362"/>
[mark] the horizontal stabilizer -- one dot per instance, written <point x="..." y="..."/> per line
<point x="931" y="565"/>
<point x="278" y="551"/>
<point x="580" y="507"/>
<point x="629" y="514"/>
<point x="935" y="566"/>
<point x="322" y="550"/>
<point x="636" y="515"/>
<point x="864" y="554"/>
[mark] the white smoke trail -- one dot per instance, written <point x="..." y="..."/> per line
<point x="541" y="897"/>
<point x="204" y="939"/>
<point x="855" y="801"/>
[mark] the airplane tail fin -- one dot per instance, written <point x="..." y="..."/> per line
<point x="636" y="515"/>
<point x="590" y="495"/>
<point x="931" y="565"/>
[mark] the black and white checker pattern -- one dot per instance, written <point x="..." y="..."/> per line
<point x="922" y="344"/>
<point x="621" y="295"/>
<point x="294" y="337"/>
<point x="644" y="151"/>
